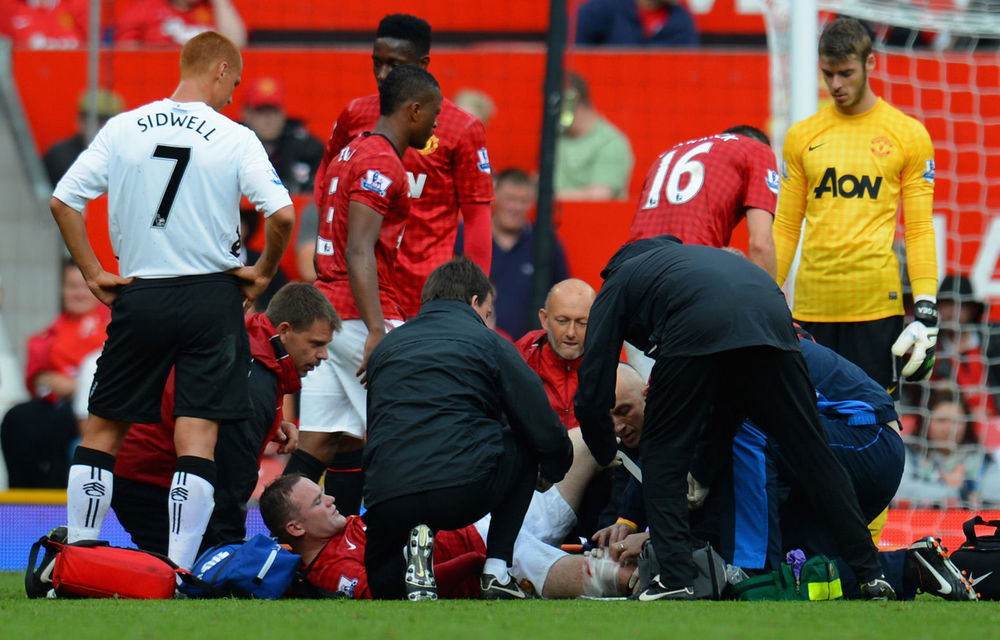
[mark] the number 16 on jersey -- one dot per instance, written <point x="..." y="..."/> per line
<point x="685" y="165"/>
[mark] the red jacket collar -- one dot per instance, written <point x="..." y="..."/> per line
<point x="267" y="349"/>
<point x="549" y="354"/>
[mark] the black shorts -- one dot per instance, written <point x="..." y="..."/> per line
<point x="866" y="344"/>
<point x="193" y="323"/>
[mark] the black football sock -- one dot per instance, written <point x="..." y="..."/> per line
<point x="345" y="482"/>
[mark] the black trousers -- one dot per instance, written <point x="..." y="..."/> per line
<point x="36" y="437"/>
<point x="770" y="387"/>
<point x="504" y="492"/>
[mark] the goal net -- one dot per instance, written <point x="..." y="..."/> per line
<point x="938" y="61"/>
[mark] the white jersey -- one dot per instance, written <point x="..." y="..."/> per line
<point x="174" y="172"/>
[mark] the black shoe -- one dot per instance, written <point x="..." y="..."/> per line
<point x="491" y="589"/>
<point x="878" y="589"/>
<point x="938" y="575"/>
<point x="656" y="591"/>
<point x="38" y="581"/>
<point x="420" y="583"/>
<point x="59" y="534"/>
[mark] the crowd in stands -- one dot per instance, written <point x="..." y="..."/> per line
<point x="64" y="24"/>
<point x="951" y="421"/>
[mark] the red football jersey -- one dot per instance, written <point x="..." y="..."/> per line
<point x="368" y="171"/>
<point x="340" y="566"/>
<point x="452" y="170"/>
<point x="700" y="189"/>
<point x="159" y="23"/>
<point x="34" y="25"/>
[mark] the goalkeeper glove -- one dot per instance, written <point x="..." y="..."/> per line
<point x="921" y="334"/>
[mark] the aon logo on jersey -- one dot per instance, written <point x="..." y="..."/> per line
<point x="847" y="186"/>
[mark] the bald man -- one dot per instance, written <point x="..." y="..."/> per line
<point x="554" y="352"/>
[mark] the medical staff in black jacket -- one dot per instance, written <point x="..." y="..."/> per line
<point x="458" y="427"/>
<point x="722" y="337"/>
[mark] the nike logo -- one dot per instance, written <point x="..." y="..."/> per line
<point x="817" y="146"/>
<point x="645" y="596"/>
<point x="975" y="581"/>
<point x="350" y="545"/>
<point x="945" y="586"/>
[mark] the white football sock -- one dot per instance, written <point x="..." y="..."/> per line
<point x="498" y="569"/>
<point x="191" y="501"/>
<point x="88" y="497"/>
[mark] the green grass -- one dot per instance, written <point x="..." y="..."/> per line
<point x="926" y="617"/>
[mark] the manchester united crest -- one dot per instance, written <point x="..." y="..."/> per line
<point x="430" y="147"/>
<point x="881" y="146"/>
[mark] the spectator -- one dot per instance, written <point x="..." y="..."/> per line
<point x="960" y="358"/>
<point x="514" y="251"/>
<point x="37" y="434"/>
<point x="171" y="23"/>
<point x="593" y="158"/>
<point x="44" y="24"/>
<point x="477" y="103"/>
<point x="61" y="155"/>
<point x="635" y="23"/>
<point x="944" y="462"/>
<point x="293" y="151"/>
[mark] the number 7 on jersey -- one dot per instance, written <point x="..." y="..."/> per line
<point x="180" y="156"/>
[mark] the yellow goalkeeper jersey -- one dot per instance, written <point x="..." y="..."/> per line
<point x="847" y="175"/>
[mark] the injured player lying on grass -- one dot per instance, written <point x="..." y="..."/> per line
<point x="332" y="546"/>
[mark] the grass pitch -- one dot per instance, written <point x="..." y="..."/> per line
<point x="927" y="617"/>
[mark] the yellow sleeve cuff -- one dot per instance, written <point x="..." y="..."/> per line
<point x="633" y="525"/>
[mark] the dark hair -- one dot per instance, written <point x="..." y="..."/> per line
<point x="845" y="37"/>
<point x="957" y="289"/>
<point x="401" y="26"/>
<point x="300" y="305"/>
<point x="578" y="85"/>
<point x="405" y="83"/>
<point x="749" y="132"/>
<point x="942" y="395"/>
<point x="514" y="176"/>
<point x="67" y="263"/>
<point x="458" y="279"/>
<point x="276" y="506"/>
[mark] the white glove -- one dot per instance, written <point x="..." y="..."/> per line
<point x="697" y="492"/>
<point x="921" y="335"/>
